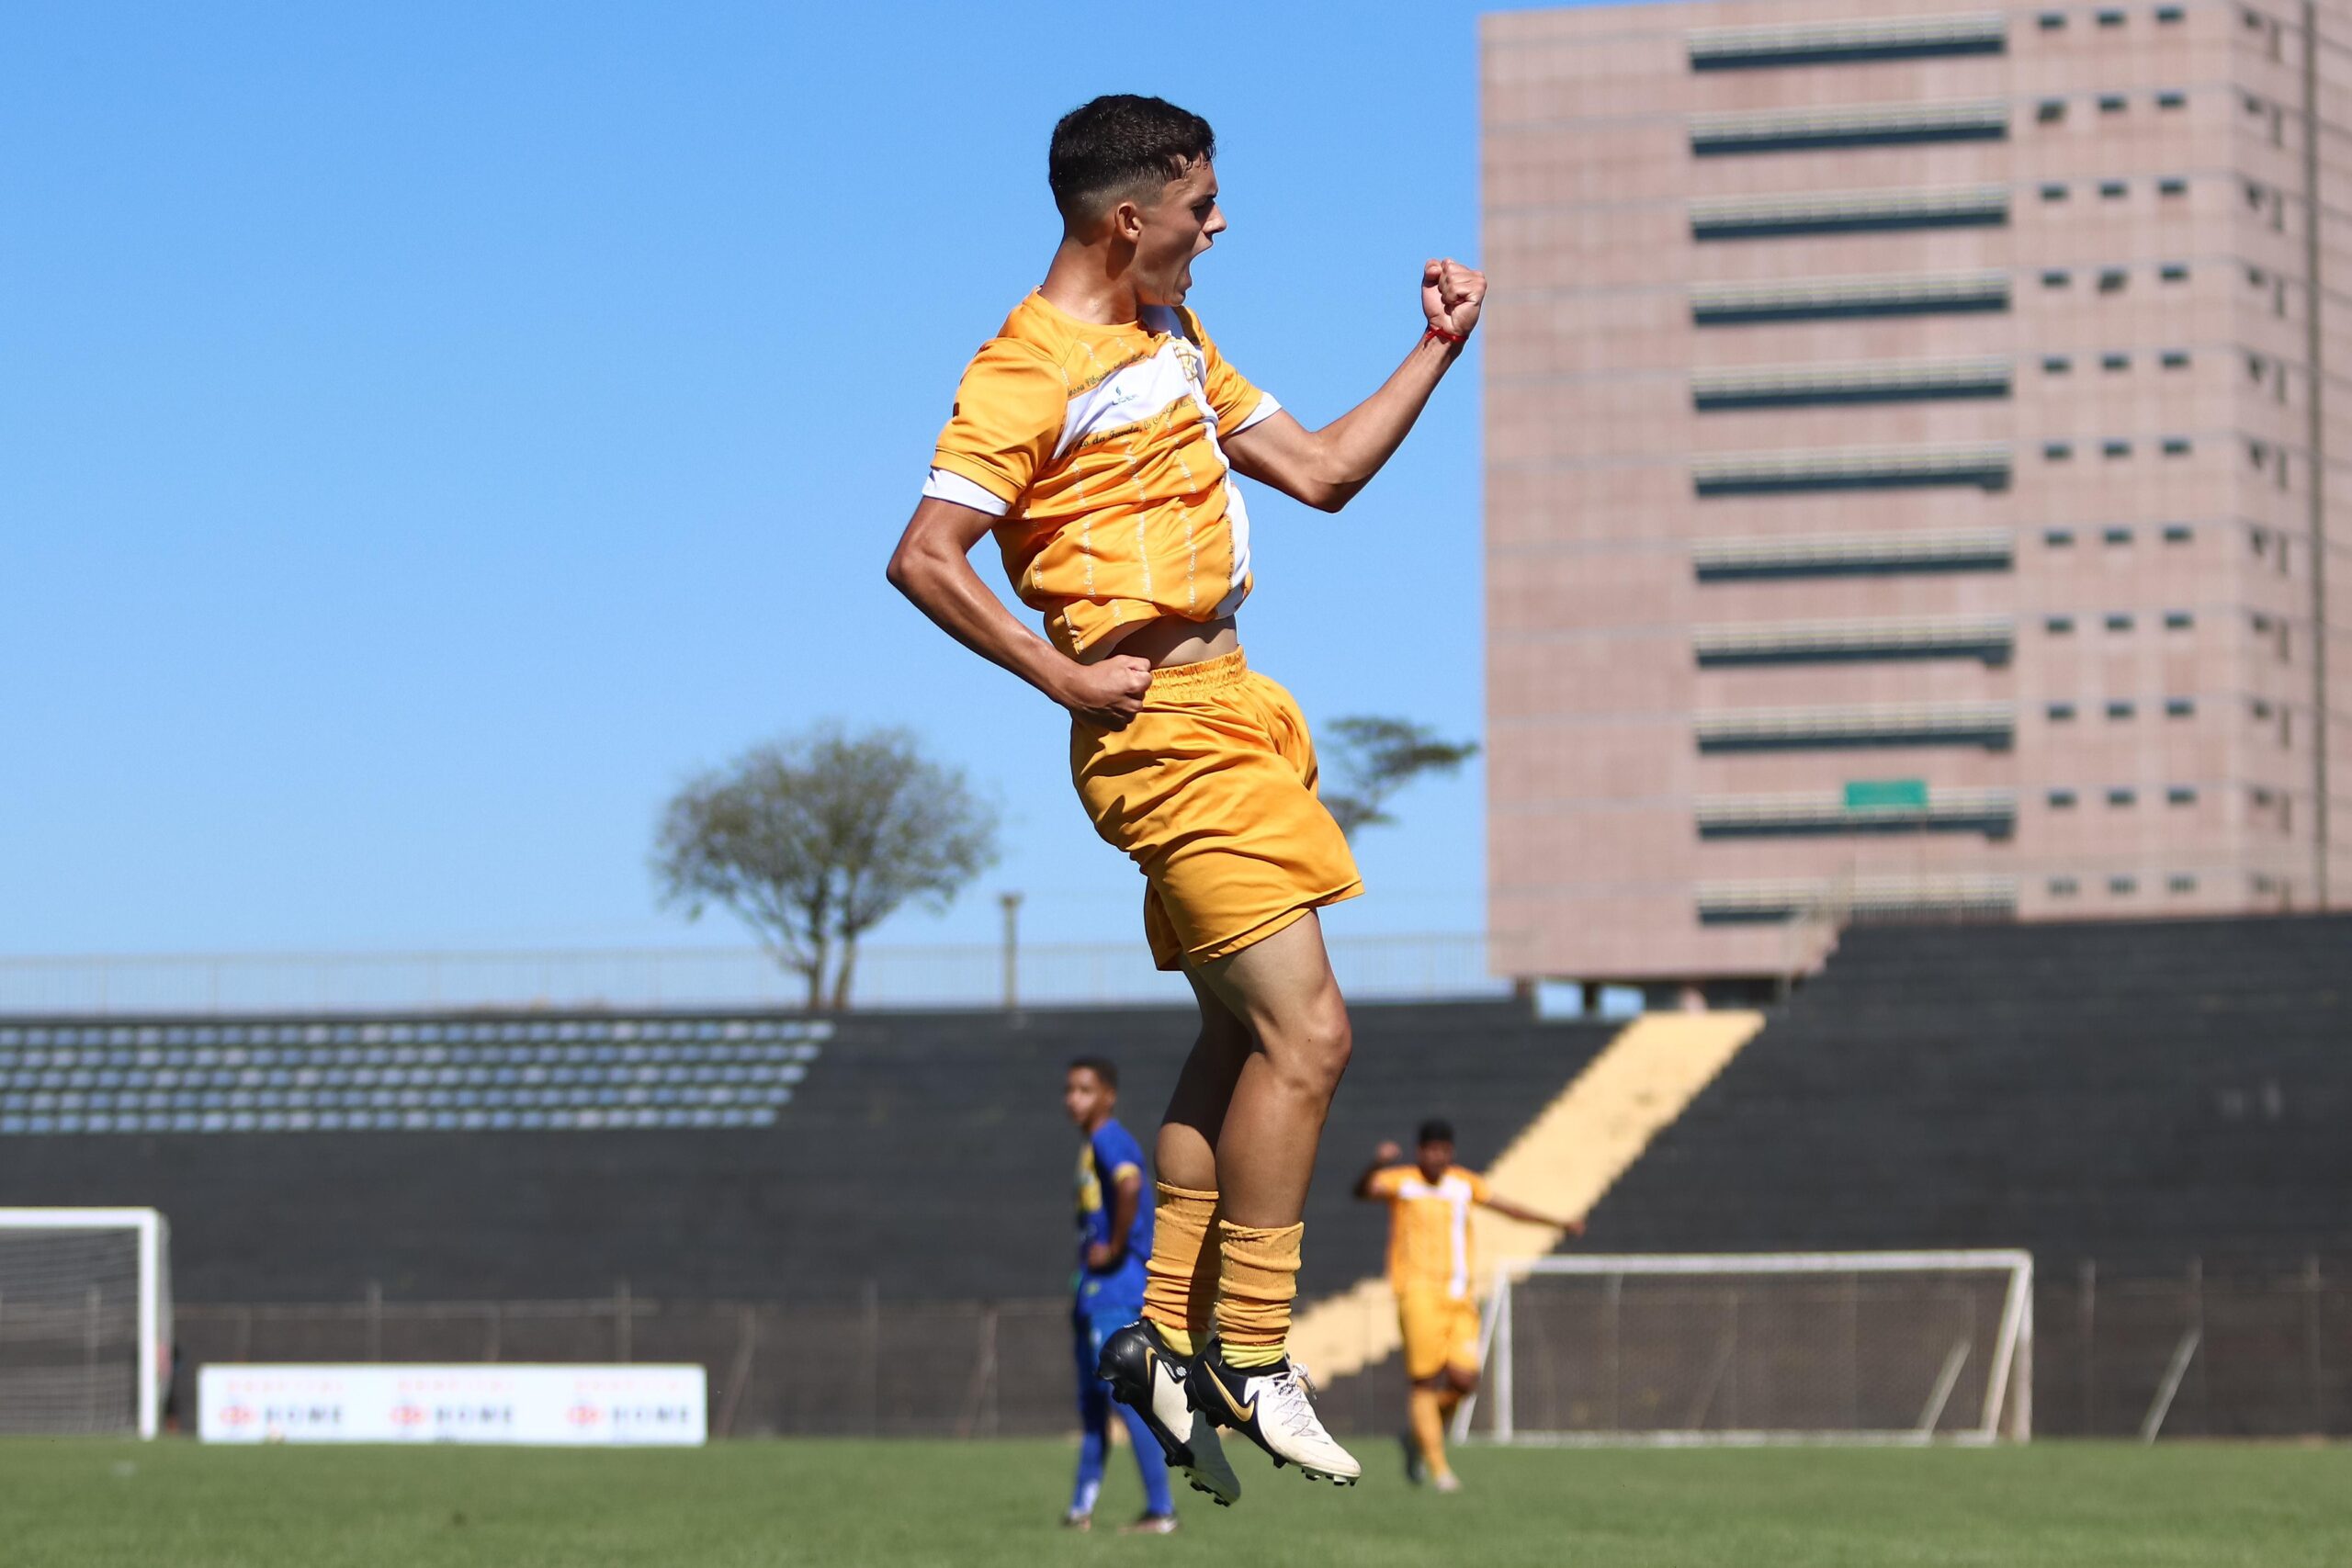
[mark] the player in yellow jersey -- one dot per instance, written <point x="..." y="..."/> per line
<point x="1433" y="1272"/>
<point x="1097" y="437"/>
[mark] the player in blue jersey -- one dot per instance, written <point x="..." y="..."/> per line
<point x="1113" y="1239"/>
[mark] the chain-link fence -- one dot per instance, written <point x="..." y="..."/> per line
<point x="2263" y="1354"/>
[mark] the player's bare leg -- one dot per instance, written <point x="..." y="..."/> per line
<point x="1149" y="1366"/>
<point x="1283" y="989"/>
<point x="1434" y="1401"/>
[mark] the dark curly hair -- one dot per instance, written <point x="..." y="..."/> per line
<point x="1117" y="143"/>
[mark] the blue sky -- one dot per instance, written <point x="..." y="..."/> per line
<point x="428" y="434"/>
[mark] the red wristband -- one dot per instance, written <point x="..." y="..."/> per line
<point x="1443" y="336"/>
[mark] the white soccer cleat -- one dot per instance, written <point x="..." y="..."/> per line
<point x="1449" y="1482"/>
<point x="1273" y="1407"/>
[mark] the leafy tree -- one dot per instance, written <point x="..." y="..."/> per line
<point x="813" y="840"/>
<point x="1366" y="761"/>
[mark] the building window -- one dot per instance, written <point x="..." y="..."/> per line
<point x="2056" y="278"/>
<point x="2123" y="797"/>
<point x="2115" y="362"/>
<point x="2063" y="888"/>
<point x="2058" y="626"/>
<point x="2172" y="100"/>
<point x="2172" y="185"/>
<point x="2123" y="886"/>
<point x="2174" y="272"/>
<point x="2179" y="707"/>
<point x="2113" y="190"/>
<point x="2057" y="451"/>
<point x="2180" y="795"/>
<point x="2178" y="532"/>
<point x="2178" y="620"/>
<point x="2113" y="279"/>
<point x="2116" y="448"/>
<point x="2050" y="111"/>
<point x="2111" y="103"/>
<point x="2120" y="710"/>
<point x="2175" y="445"/>
<point x="2180" y="884"/>
<point x="2058" y="539"/>
<point x="2061" y="799"/>
<point x="2174" y="359"/>
<point x="2057" y="364"/>
<point x="2116" y="535"/>
<point x="2054" y="193"/>
<point x="2119" y="622"/>
<point x="2169" y="12"/>
<point x="2060" y="712"/>
<point x="2053" y="21"/>
<point x="2110" y="18"/>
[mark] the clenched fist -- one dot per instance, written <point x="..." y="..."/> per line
<point x="1451" y="295"/>
<point x="1106" y="694"/>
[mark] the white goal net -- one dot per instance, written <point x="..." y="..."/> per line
<point x="85" y="1321"/>
<point x="1765" y="1348"/>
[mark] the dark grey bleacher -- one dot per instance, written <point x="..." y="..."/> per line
<point x="922" y="1154"/>
<point x="2139" y="1093"/>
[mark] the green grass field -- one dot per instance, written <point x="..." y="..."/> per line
<point x="176" y="1505"/>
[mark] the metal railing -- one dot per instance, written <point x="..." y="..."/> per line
<point x="1434" y="966"/>
<point x="2118" y="1353"/>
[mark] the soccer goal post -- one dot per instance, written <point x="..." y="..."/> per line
<point x="1895" y="1347"/>
<point x="85" y="1321"/>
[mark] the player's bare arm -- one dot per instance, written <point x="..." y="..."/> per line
<point x="1127" y="1194"/>
<point x="1388" y="1154"/>
<point x="1326" y="467"/>
<point x="933" y="565"/>
<point x="1511" y="1211"/>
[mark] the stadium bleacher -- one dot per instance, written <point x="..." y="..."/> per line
<point x="428" y="1075"/>
<point x="922" y="1155"/>
<point x="2142" y="1093"/>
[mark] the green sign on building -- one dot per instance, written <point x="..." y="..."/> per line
<point x="1886" y="795"/>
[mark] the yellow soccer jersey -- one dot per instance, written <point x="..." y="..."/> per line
<point x="1098" y="447"/>
<point x="1429" y="1227"/>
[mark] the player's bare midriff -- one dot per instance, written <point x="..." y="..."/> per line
<point x="1171" y="640"/>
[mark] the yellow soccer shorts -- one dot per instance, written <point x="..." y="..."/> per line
<point x="1440" y="1331"/>
<point x="1211" y="792"/>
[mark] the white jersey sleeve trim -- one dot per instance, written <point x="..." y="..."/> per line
<point x="1267" y="408"/>
<point x="944" y="485"/>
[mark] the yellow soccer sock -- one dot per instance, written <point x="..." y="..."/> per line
<point x="1260" y="1280"/>
<point x="1428" y="1428"/>
<point x="1179" y="1277"/>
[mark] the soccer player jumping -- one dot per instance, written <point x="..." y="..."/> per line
<point x="1096" y="436"/>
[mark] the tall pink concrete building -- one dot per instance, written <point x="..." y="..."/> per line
<point x="1915" y="471"/>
